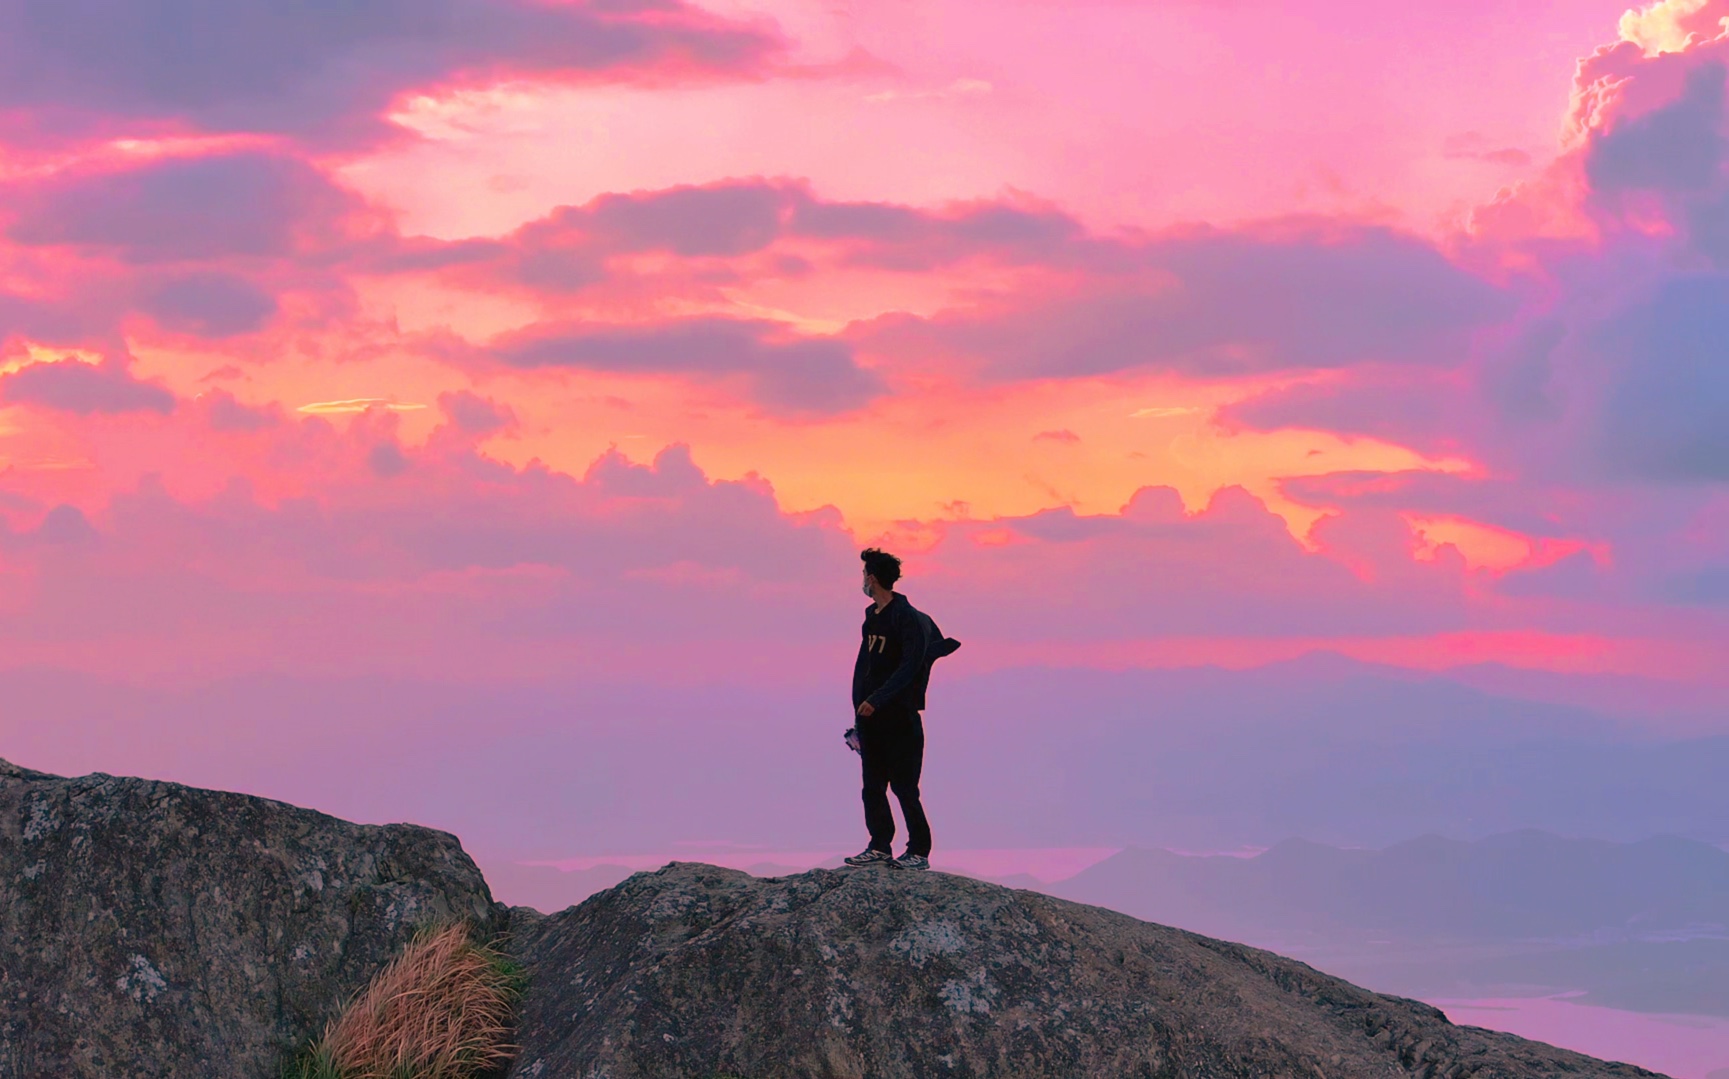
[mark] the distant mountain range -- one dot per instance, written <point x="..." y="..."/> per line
<point x="1643" y="926"/>
<point x="1522" y="885"/>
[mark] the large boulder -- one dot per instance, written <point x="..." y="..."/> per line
<point x="151" y="929"/>
<point x="693" y="972"/>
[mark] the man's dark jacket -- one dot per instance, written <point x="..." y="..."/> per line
<point x="915" y="642"/>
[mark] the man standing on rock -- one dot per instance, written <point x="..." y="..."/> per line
<point x="897" y="647"/>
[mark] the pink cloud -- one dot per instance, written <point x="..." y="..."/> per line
<point x="784" y="372"/>
<point x="472" y="414"/>
<point x="456" y="558"/>
<point x="1601" y="407"/>
<point x="1575" y="382"/>
<point x="1303" y="295"/>
<point x="233" y="205"/>
<point x="719" y="227"/>
<point x="332" y="74"/>
<point x="438" y="550"/>
<point x="83" y="388"/>
<point x="208" y="304"/>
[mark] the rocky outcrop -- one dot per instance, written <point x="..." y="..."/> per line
<point x="694" y="972"/>
<point x="150" y="929"/>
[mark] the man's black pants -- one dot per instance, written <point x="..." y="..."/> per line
<point x="892" y="748"/>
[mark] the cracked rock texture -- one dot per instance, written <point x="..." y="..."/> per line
<point x="695" y="972"/>
<point x="151" y="929"/>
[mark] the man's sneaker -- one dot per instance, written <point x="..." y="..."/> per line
<point x="909" y="860"/>
<point x="871" y="856"/>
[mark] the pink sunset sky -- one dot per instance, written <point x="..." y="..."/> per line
<point x="471" y="412"/>
<point x="496" y="338"/>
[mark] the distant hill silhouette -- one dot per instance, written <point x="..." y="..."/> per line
<point x="1637" y="925"/>
<point x="1518" y="885"/>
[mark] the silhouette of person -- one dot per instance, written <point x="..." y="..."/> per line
<point x="897" y="646"/>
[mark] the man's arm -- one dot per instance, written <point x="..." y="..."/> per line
<point x="859" y="667"/>
<point x="910" y="633"/>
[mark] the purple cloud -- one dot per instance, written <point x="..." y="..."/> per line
<point x="786" y="373"/>
<point x="83" y="388"/>
<point x="1666" y="414"/>
<point x="185" y="208"/>
<point x="224" y="413"/>
<point x="328" y="72"/>
<point x="1215" y="303"/>
<point x="1679" y="147"/>
<point x="63" y="526"/>
<point x="1231" y="569"/>
<point x="719" y="220"/>
<point x="1408" y="408"/>
<point x="208" y="304"/>
<point x="451" y="557"/>
<point x="568" y="249"/>
<point x="1503" y="502"/>
<point x="473" y="414"/>
<point x="903" y="238"/>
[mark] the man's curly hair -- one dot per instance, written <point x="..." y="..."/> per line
<point x="885" y="567"/>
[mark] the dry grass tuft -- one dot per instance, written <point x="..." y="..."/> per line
<point x="440" y="1010"/>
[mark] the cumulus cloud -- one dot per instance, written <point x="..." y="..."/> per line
<point x="1594" y="375"/>
<point x="330" y="72"/>
<point x="61" y="527"/>
<point x="1503" y="502"/>
<point x="1230" y="569"/>
<point x="381" y="555"/>
<point x="461" y="562"/>
<point x="465" y="563"/>
<point x="1600" y="411"/>
<point x="84" y="388"/>
<point x="1679" y="147"/>
<point x="1673" y="25"/>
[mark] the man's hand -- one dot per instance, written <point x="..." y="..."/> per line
<point x="866" y="709"/>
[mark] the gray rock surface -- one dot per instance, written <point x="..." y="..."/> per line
<point x="694" y="971"/>
<point x="151" y="929"/>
